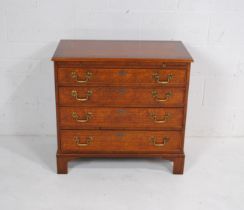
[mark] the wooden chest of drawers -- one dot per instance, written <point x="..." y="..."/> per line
<point x="121" y="99"/>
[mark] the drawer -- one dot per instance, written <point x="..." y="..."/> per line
<point x="90" y="141"/>
<point x="121" y="96"/>
<point x="78" y="76"/>
<point x="129" y="118"/>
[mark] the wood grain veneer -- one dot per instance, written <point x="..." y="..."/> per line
<point x="121" y="99"/>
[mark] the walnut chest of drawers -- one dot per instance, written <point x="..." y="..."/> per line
<point x="121" y="99"/>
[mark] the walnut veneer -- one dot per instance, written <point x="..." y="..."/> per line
<point x="121" y="99"/>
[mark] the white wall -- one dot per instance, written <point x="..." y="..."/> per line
<point x="213" y="31"/>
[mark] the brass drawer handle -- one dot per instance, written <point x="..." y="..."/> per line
<point x="75" y="95"/>
<point x="166" y="97"/>
<point x="89" y="140"/>
<point x="164" y="119"/>
<point x="86" y="117"/>
<point x="156" y="77"/>
<point x="154" y="141"/>
<point x="88" y="76"/>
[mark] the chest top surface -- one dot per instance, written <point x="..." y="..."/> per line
<point x="78" y="50"/>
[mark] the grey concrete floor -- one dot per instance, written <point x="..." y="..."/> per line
<point x="213" y="178"/>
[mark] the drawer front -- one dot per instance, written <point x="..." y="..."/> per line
<point x="77" y="76"/>
<point x="89" y="141"/>
<point x="129" y="118"/>
<point x="121" y="96"/>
